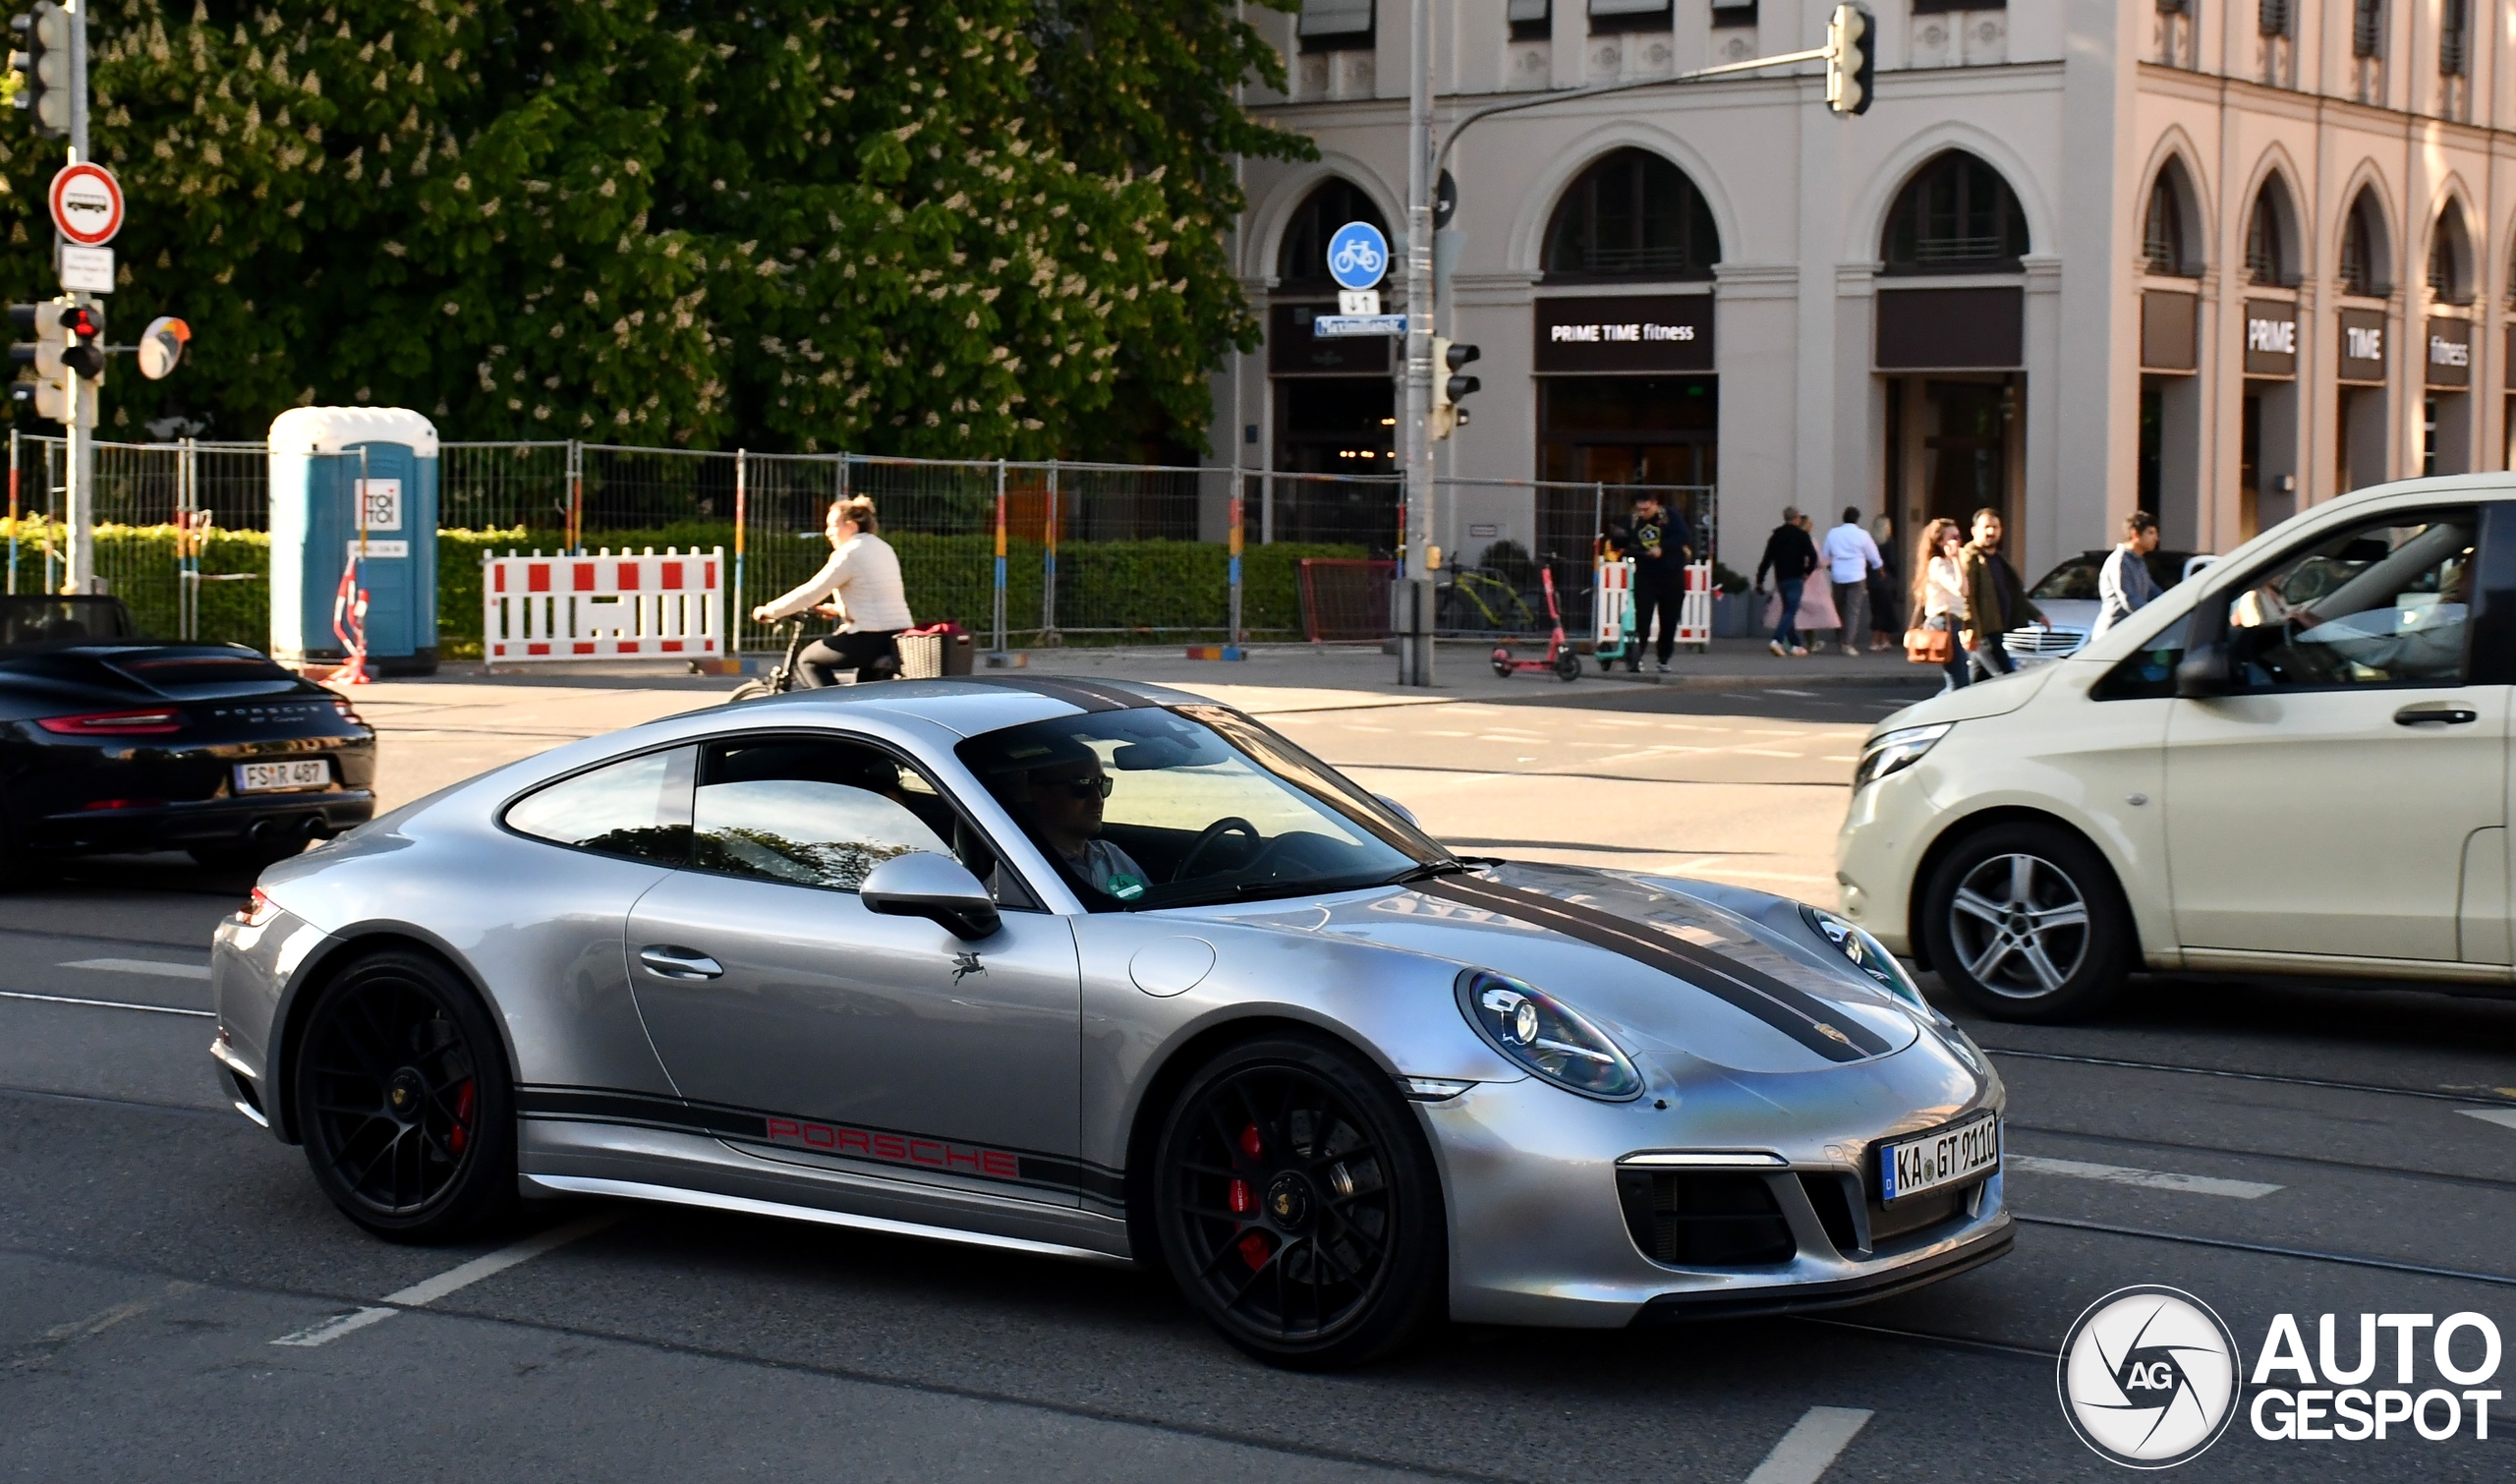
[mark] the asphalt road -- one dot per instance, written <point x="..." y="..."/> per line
<point x="2268" y="1150"/>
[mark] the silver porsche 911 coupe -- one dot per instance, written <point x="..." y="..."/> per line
<point x="1105" y="971"/>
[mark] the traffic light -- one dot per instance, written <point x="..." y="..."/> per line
<point x="69" y="337"/>
<point x="1449" y="387"/>
<point x="1852" y="59"/>
<point x="83" y="336"/>
<point x="42" y="64"/>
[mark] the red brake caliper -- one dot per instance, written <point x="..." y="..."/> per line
<point x="1254" y="1244"/>
<point x="460" y="1134"/>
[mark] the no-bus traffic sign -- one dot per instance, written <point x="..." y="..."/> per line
<point x="86" y="204"/>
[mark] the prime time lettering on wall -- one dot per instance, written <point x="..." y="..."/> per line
<point x="2362" y="345"/>
<point x="2450" y="352"/>
<point x="1656" y="332"/>
<point x="2270" y="337"/>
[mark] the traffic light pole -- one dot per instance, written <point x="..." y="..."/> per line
<point x="1414" y="594"/>
<point x="80" y="477"/>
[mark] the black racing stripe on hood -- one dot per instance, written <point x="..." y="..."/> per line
<point x="1083" y="695"/>
<point x="1792" y="1012"/>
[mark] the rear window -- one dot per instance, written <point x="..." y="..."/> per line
<point x="2072" y="579"/>
<point x="27" y="618"/>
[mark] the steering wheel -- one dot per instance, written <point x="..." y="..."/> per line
<point x="1230" y="823"/>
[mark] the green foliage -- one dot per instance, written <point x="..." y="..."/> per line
<point x="918" y="226"/>
<point x="1132" y="592"/>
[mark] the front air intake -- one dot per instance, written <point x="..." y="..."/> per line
<point x="1704" y="1217"/>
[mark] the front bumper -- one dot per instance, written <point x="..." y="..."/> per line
<point x="1539" y="1236"/>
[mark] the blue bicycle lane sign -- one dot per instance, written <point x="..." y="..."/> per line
<point x="1358" y="256"/>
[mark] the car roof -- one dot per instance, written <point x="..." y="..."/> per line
<point x="973" y="705"/>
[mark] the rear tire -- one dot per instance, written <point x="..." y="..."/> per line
<point x="1503" y="663"/>
<point x="404" y="1101"/>
<point x="2025" y="922"/>
<point x="1298" y="1206"/>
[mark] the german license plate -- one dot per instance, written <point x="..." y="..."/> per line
<point x="1949" y="1155"/>
<point x="266" y="778"/>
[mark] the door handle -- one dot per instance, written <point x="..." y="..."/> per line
<point x="670" y="962"/>
<point x="2448" y="715"/>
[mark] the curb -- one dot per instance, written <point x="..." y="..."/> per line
<point x="1761" y="682"/>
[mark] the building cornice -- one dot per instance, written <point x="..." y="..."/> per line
<point x="2261" y="97"/>
<point x="1912" y="83"/>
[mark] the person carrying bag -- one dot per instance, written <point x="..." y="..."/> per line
<point x="1939" y="602"/>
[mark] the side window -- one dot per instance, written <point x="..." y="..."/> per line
<point x="638" y="807"/>
<point x="2381" y="604"/>
<point x="812" y="812"/>
<point x="2146" y="674"/>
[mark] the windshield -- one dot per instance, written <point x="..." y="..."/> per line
<point x="28" y="619"/>
<point x="1174" y="807"/>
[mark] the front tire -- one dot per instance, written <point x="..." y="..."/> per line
<point x="2025" y="922"/>
<point x="404" y="1101"/>
<point x="750" y="690"/>
<point x="1298" y="1206"/>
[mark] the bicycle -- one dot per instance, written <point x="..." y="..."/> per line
<point x="1471" y="595"/>
<point x="782" y="679"/>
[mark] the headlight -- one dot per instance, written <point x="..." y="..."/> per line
<point x="1868" y="955"/>
<point x="1896" y="751"/>
<point x="1548" y="1037"/>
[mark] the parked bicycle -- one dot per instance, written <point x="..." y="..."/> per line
<point x="1472" y="601"/>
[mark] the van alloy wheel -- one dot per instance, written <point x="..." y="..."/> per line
<point x="2021" y="925"/>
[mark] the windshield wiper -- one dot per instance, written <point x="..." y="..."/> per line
<point x="1430" y="869"/>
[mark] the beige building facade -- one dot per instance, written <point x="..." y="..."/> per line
<point x="2221" y="259"/>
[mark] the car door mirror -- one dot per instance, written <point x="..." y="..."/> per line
<point x="922" y="884"/>
<point x="1397" y="809"/>
<point x="2203" y="671"/>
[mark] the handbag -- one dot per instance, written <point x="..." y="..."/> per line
<point x="1928" y="645"/>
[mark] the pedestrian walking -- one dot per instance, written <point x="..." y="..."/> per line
<point x="1849" y="556"/>
<point x="1939" y="594"/>
<point x="1996" y="601"/>
<point x="1659" y="545"/>
<point x="2126" y="585"/>
<point x="860" y="586"/>
<point x="1790" y="557"/>
<point x="1886" y="603"/>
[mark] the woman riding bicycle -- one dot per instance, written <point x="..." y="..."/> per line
<point x="860" y="585"/>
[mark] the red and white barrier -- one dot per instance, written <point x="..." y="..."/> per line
<point x="604" y="606"/>
<point x="1694" y="609"/>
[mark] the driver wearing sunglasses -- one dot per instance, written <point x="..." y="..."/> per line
<point x="1066" y="801"/>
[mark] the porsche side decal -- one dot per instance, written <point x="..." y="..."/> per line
<point x="846" y="1141"/>
<point x="1794" y="1012"/>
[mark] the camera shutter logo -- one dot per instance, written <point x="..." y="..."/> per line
<point x="2149" y="1376"/>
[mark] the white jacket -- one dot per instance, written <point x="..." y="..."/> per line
<point x="863" y="574"/>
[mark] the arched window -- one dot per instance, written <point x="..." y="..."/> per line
<point x="1956" y="215"/>
<point x="1302" y="260"/>
<point x="2450" y="279"/>
<point x="1632" y="215"/>
<point x="2163" y="242"/>
<point x="2363" y="241"/>
<point x="2267" y="258"/>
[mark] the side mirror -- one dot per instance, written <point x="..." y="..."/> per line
<point x="2203" y="671"/>
<point x="1397" y="809"/>
<point x="936" y="888"/>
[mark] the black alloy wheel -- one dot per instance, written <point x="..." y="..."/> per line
<point x="2025" y="922"/>
<point x="404" y="1101"/>
<point x="1298" y="1205"/>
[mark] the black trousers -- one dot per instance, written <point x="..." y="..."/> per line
<point x="822" y="659"/>
<point x="1669" y="601"/>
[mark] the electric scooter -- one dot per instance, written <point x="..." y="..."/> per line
<point x="1560" y="654"/>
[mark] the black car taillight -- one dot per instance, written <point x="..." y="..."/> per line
<point x="347" y="714"/>
<point x="142" y="723"/>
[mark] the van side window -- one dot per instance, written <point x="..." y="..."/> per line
<point x="2387" y="603"/>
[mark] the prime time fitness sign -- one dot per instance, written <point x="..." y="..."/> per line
<point x="1655" y="332"/>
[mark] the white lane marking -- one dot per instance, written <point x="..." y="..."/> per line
<point x="1812" y="1447"/>
<point x="335" y="1327"/>
<point x="104" y="1004"/>
<point x="1764" y="751"/>
<point x="2152" y="1179"/>
<point x="1803" y="695"/>
<point x="429" y="1291"/>
<point x="142" y="966"/>
<point x="2504" y="1118"/>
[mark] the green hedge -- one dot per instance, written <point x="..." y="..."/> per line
<point x="1130" y="592"/>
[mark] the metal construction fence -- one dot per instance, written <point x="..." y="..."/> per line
<point x="1019" y="554"/>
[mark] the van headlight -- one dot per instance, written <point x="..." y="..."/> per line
<point x="1548" y="1037"/>
<point x="1896" y="751"/>
<point x="1868" y="955"/>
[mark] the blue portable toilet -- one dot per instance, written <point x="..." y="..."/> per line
<point x="331" y="467"/>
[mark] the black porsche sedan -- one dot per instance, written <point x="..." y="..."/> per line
<point x="111" y="742"/>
